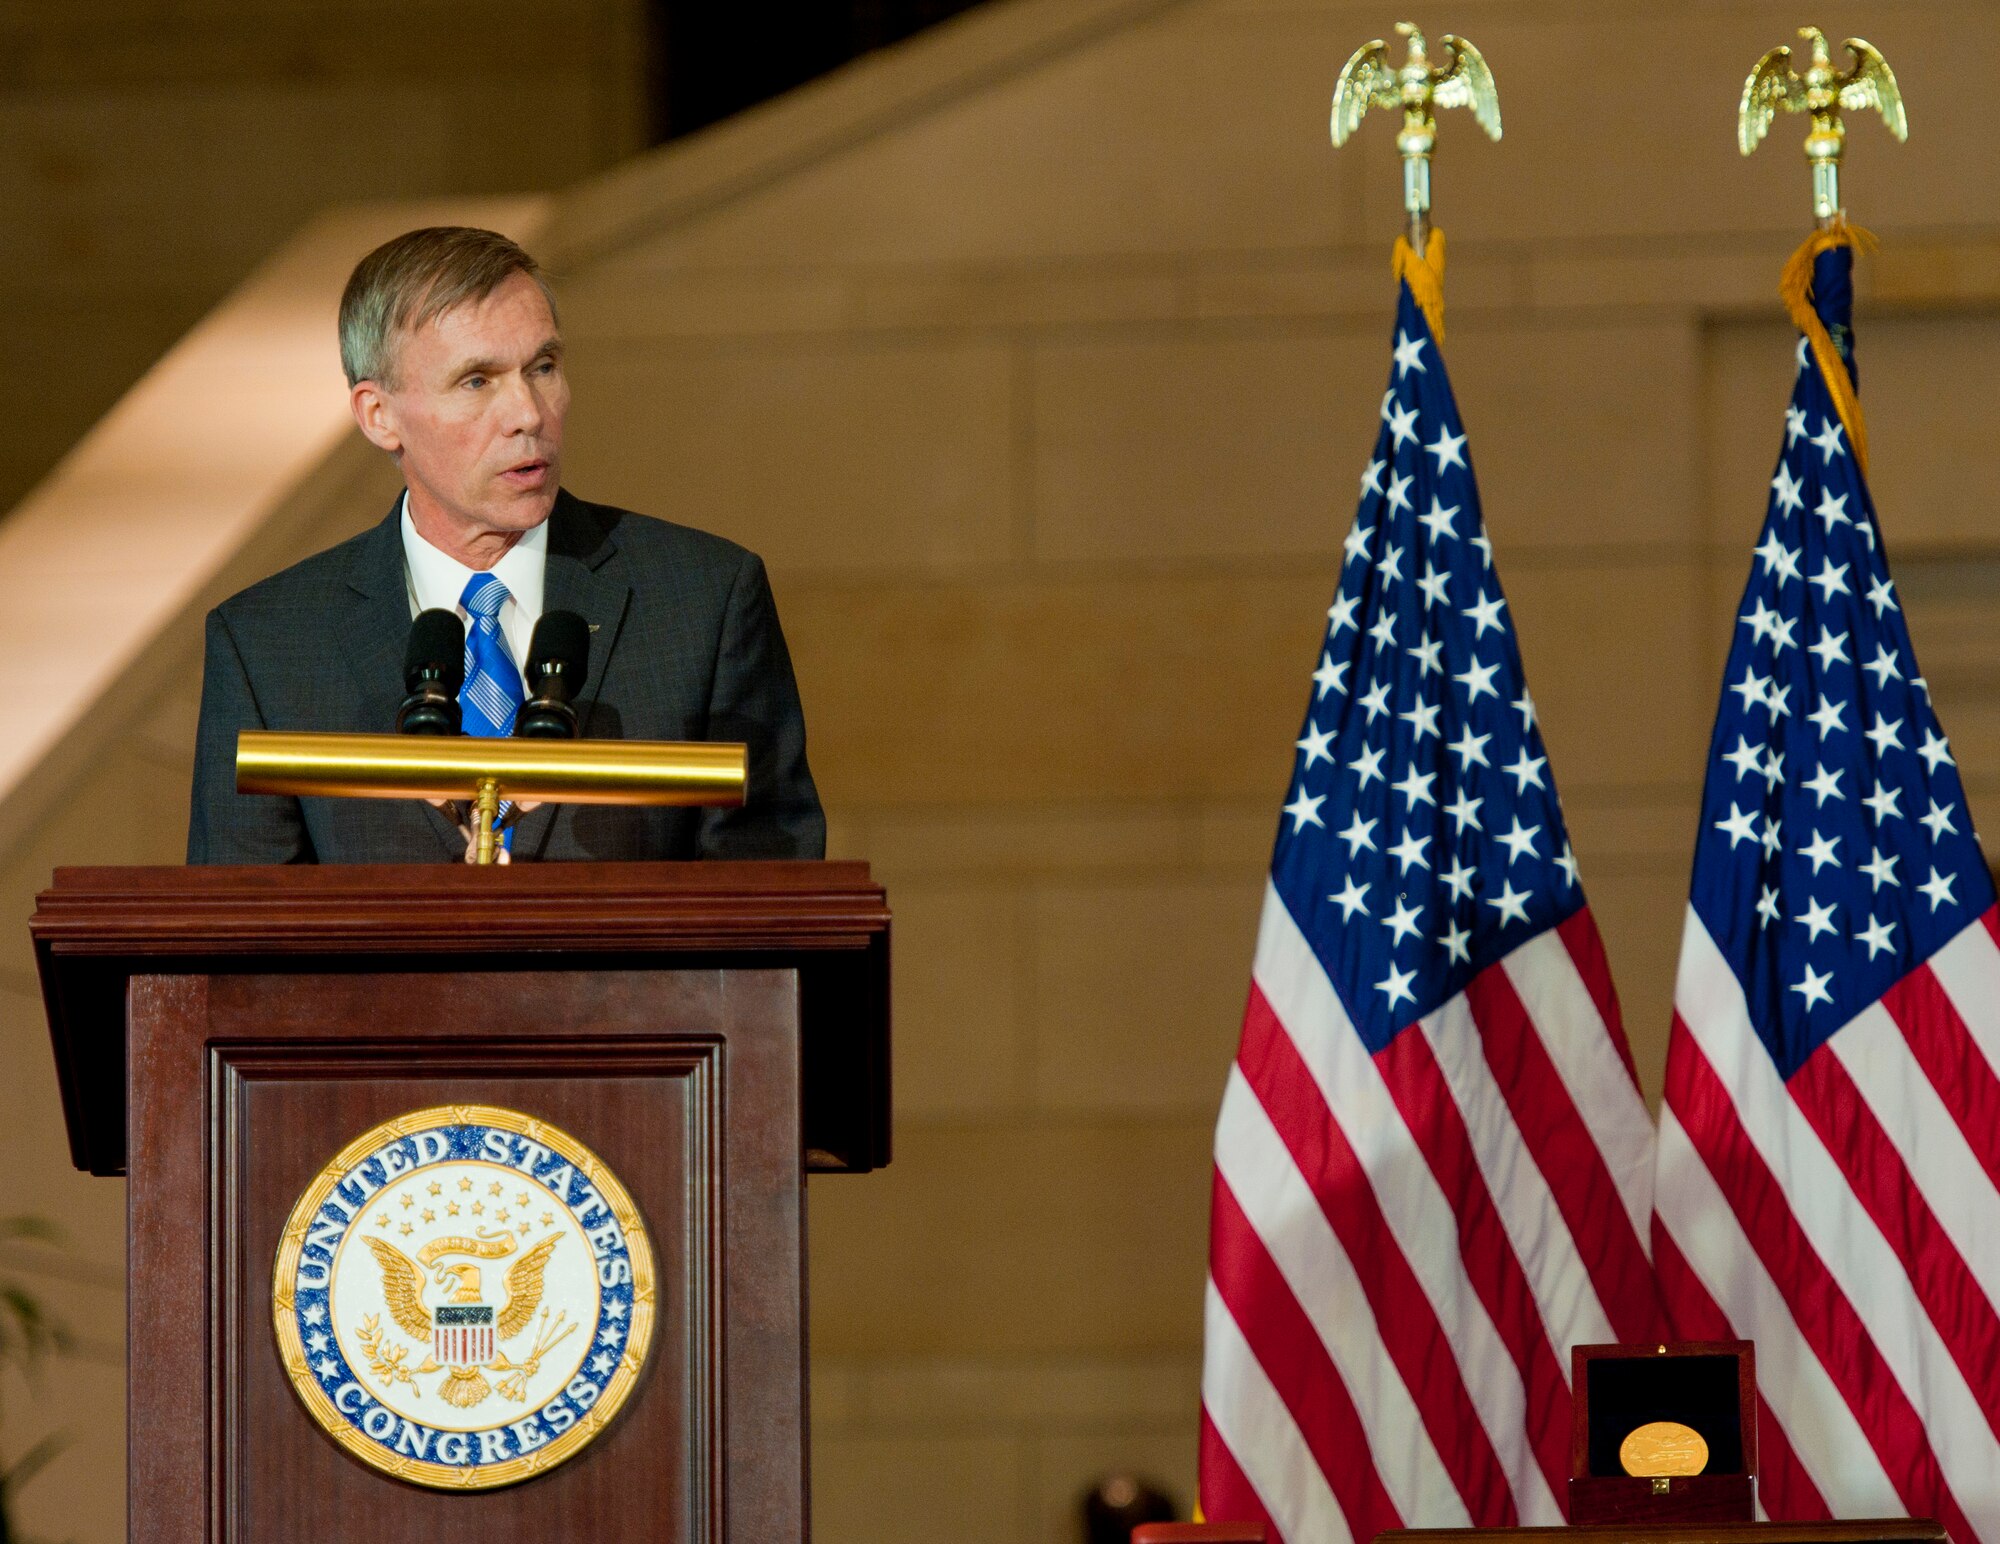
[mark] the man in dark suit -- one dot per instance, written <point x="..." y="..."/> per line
<point x="454" y="364"/>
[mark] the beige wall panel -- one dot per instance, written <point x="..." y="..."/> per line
<point x="987" y="298"/>
<point x="539" y="128"/>
<point x="1174" y="135"/>
<point x="1203" y="445"/>
<point x="1639" y="912"/>
<point x="71" y="363"/>
<point x="1716" y="279"/>
<point x="112" y="187"/>
<point x="1005" y="692"/>
<point x="1031" y="1239"/>
<point x="1944" y="174"/>
<point x="917" y="1488"/>
<point x="1024" y="839"/>
<point x="818" y="458"/>
<point x="1353" y="283"/>
<point x="1934" y="272"/>
<point x="1138" y="992"/>
<point x="1616" y="706"/>
<point x="1583" y="435"/>
<point x="1194" y="687"/>
<point x="1224" y="446"/>
<point x="81" y="1495"/>
<point x="961" y="1037"/>
<point x="957" y="1392"/>
<point x="1748" y="372"/>
<point x="1617" y="828"/>
<point x="836" y="1394"/>
<point x="609" y="307"/>
<point x="1239" y="837"/>
<point x="101" y="185"/>
<point x="1932" y="469"/>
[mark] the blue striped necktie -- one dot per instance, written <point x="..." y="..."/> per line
<point x="492" y="693"/>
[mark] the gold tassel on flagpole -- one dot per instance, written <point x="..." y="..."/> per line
<point x="1425" y="276"/>
<point x="1796" y="287"/>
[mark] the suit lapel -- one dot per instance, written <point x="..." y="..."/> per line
<point x="585" y="574"/>
<point x="374" y="634"/>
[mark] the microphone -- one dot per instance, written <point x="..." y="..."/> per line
<point x="558" y="660"/>
<point x="433" y="672"/>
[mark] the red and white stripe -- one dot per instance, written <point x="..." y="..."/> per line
<point x="1848" y="1220"/>
<point x="460" y="1347"/>
<point x="1404" y="1246"/>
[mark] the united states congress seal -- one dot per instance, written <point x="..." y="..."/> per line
<point x="464" y="1297"/>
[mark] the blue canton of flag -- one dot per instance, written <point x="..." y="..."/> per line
<point x="1423" y="840"/>
<point x="1836" y="851"/>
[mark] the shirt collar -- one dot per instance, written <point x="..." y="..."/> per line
<point x="437" y="579"/>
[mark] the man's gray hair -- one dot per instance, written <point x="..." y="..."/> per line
<point x="415" y="279"/>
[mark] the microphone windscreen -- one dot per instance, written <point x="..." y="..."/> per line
<point x="559" y="652"/>
<point x="437" y="650"/>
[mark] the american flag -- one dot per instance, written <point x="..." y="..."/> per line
<point x="1830" y="1141"/>
<point x="1432" y="1165"/>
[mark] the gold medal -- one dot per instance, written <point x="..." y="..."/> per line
<point x="1663" y="1448"/>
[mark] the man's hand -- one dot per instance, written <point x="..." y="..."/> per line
<point x="461" y="815"/>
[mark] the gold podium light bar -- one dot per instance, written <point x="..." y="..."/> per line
<point x="396" y="766"/>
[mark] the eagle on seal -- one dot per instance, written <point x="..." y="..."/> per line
<point x="465" y="1384"/>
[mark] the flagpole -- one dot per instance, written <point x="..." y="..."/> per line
<point x="1417" y="87"/>
<point x="1824" y="93"/>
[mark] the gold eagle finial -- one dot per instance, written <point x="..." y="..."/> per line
<point x="1369" y="80"/>
<point x="1824" y="93"/>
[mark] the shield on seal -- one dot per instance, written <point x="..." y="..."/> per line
<point x="462" y="1334"/>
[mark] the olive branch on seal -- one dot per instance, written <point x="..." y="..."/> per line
<point x="385" y="1362"/>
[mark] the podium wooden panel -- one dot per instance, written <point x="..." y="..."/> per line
<point x="705" y="1028"/>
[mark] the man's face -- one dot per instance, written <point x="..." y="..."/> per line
<point x="476" y="414"/>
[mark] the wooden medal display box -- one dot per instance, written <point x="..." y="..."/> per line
<point x="1708" y="1385"/>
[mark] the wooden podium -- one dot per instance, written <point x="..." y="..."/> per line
<point x="710" y="1031"/>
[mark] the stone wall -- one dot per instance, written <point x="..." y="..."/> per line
<point x="1039" y="358"/>
<point x="153" y="151"/>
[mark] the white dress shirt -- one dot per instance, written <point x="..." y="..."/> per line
<point x="436" y="580"/>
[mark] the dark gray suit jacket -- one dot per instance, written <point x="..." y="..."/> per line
<point x="687" y="647"/>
